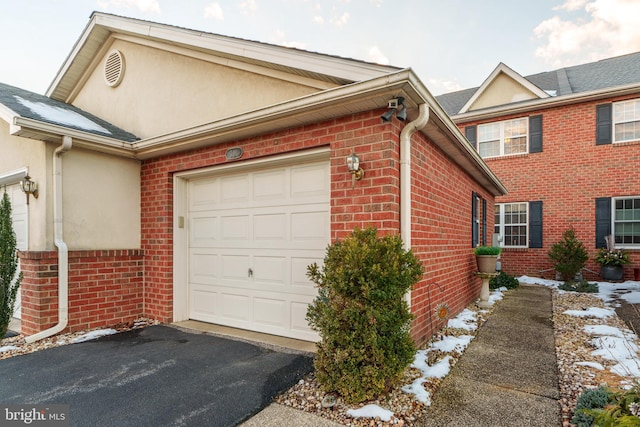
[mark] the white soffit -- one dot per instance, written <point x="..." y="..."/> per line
<point x="502" y="68"/>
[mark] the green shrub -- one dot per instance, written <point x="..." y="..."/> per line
<point x="503" y="280"/>
<point x="622" y="409"/>
<point x="361" y="314"/>
<point x="568" y="255"/>
<point x="581" y="286"/>
<point x="487" y="250"/>
<point x="9" y="283"/>
<point x="588" y="400"/>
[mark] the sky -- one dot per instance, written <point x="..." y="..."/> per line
<point x="450" y="44"/>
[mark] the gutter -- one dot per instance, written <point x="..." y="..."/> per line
<point x="63" y="250"/>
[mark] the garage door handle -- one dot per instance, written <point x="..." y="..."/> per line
<point x="250" y="273"/>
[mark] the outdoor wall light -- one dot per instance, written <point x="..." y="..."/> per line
<point x="396" y="106"/>
<point x="29" y="187"/>
<point x="353" y="164"/>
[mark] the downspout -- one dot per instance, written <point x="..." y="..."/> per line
<point x="405" y="176"/>
<point x="63" y="251"/>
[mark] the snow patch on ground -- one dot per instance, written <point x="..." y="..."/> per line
<point x="591" y="312"/>
<point x="466" y="320"/>
<point x="93" y="335"/>
<point x="371" y="411"/>
<point x="8" y="348"/>
<point x="595" y="365"/>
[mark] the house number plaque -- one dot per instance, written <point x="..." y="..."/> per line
<point x="234" y="153"/>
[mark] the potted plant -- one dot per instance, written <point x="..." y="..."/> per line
<point x="611" y="262"/>
<point x="568" y="256"/>
<point x="487" y="258"/>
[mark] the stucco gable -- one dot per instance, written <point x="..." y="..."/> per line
<point x="503" y="86"/>
<point x="174" y="78"/>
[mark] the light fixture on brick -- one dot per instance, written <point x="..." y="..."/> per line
<point x="353" y="164"/>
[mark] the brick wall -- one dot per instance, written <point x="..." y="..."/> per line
<point x="442" y="237"/>
<point x="105" y="288"/>
<point x="567" y="176"/>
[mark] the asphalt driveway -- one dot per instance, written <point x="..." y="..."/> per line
<point x="155" y="376"/>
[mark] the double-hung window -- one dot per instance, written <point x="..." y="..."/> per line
<point x="626" y="221"/>
<point x="511" y="223"/>
<point x="626" y="121"/>
<point x="503" y="138"/>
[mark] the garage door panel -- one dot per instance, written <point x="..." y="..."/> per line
<point x="204" y="231"/>
<point x="235" y="306"/>
<point x="204" y="302"/>
<point x="235" y="189"/>
<point x="204" y="267"/>
<point x="270" y="226"/>
<point x="310" y="181"/>
<point x="300" y="283"/>
<point x="270" y="186"/>
<point x="270" y="312"/>
<point x="270" y="269"/>
<point x="235" y="267"/>
<point x="265" y="228"/>
<point x="235" y="227"/>
<point x="309" y="226"/>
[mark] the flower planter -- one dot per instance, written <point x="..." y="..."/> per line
<point x="612" y="273"/>
<point x="487" y="263"/>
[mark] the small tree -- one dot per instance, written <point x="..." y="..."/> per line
<point x="569" y="255"/>
<point x="9" y="283"/>
<point x="361" y="314"/>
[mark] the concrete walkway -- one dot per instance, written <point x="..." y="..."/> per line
<point x="508" y="374"/>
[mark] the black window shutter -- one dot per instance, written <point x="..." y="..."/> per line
<point x="603" y="124"/>
<point x="484" y="222"/>
<point x="535" y="134"/>
<point x="535" y="224"/>
<point x="603" y="220"/>
<point x="474" y="217"/>
<point x="470" y="133"/>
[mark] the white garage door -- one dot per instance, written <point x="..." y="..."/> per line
<point x="251" y="237"/>
<point x="19" y="216"/>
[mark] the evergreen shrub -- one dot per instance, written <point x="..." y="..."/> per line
<point x="9" y="283"/>
<point x="503" y="280"/>
<point x="569" y="255"/>
<point x="361" y="314"/>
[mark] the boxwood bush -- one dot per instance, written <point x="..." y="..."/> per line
<point x="361" y="314"/>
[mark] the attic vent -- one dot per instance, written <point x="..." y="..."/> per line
<point x="114" y="68"/>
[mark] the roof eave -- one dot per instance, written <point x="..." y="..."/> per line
<point x="43" y="131"/>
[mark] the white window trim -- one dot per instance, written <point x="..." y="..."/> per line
<point x="614" y="123"/>
<point x="613" y="221"/>
<point x="502" y="225"/>
<point x="502" y="123"/>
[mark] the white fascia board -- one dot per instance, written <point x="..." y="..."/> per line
<point x="502" y="68"/>
<point x="86" y="139"/>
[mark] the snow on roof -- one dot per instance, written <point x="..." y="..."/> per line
<point x="60" y="115"/>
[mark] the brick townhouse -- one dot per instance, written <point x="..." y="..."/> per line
<point x="566" y="144"/>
